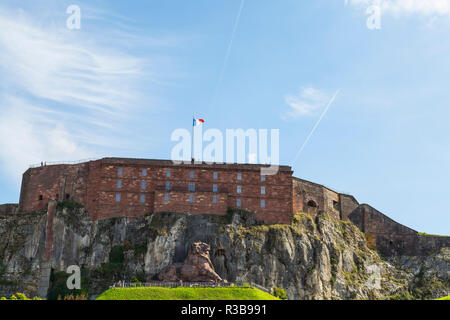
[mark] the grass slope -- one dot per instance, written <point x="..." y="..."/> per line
<point x="153" y="293"/>
<point x="444" y="298"/>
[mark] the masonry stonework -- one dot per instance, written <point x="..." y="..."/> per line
<point x="392" y="238"/>
<point x="313" y="198"/>
<point x="115" y="187"/>
<point x="131" y="188"/>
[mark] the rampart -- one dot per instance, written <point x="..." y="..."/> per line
<point x="131" y="188"/>
<point x="118" y="187"/>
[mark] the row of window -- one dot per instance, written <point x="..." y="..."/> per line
<point x="215" y="200"/>
<point x="67" y="197"/>
<point x="191" y="199"/>
<point x="141" y="198"/>
<point x="191" y="174"/>
<point x="191" y="187"/>
<point x="143" y="184"/>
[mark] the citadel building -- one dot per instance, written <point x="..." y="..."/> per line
<point x="131" y="188"/>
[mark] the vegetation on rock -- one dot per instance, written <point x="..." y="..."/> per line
<point x="280" y="293"/>
<point x="312" y="258"/>
<point x="19" y="296"/>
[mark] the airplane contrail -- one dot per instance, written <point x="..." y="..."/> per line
<point x="227" y="55"/>
<point x="315" y="126"/>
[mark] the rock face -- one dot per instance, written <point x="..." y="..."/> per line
<point x="196" y="268"/>
<point x="321" y="258"/>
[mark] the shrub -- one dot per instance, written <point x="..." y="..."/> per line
<point x="82" y="296"/>
<point x="58" y="286"/>
<point x="19" y="296"/>
<point x="136" y="281"/>
<point x="280" y="293"/>
<point x="116" y="255"/>
<point x="69" y="204"/>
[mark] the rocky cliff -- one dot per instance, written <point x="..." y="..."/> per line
<point x="321" y="258"/>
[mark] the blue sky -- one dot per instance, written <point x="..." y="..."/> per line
<point x="138" y="70"/>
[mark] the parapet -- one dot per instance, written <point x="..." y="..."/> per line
<point x="9" y="208"/>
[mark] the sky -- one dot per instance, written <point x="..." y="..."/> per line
<point x="362" y="108"/>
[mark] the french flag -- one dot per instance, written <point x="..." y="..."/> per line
<point x="197" y="122"/>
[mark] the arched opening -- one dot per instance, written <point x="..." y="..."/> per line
<point x="312" y="204"/>
<point x="41" y="197"/>
<point x="67" y="196"/>
<point x="312" y="207"/>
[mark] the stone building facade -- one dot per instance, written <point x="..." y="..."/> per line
<point x="119" y="187"/>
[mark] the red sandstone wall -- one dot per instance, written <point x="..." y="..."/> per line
<point x="94" y="184"/>
<point x="53" y="183"/>
<point x="278" y="191"/>
<point x="305" y="191"/>
<point x="348" y="204"/>
<point x="179" y="202"/>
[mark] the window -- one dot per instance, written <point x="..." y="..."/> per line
<point x="168" y="186"/>
<point x="263" y="190"/>
<point x="119" y="184"/>
<point x="263" y="177"/>
<point x="312" y="203"/>
<point x="192" y="174"/>
<point x="143" y="185"/>
<point x="142" y="198"/>
<point x="215" y="198"/>
<point x="144" y="172"/>
<point x="166" y="197"/>
<point x="215" y="188"/>
<point x="239" y="189"/>
<point x="335" y="205"/>
<point x="41" y="197"/>
<point x="191" y="197"/>
<point x="215" y="175"/>
<point x="117" y="197"/>
<point x="263" y="203"/>
<point x="238" y="202"/>
<point x="168" y="173"/>
<point x="191" y="186"/>
<point x="67" y="196"/>
<point x="120" y="171"/>
<point x="239" y="176"/>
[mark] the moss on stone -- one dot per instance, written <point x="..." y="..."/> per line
<point x="68" y="204"/>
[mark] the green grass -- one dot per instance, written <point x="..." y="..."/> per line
<point x="154" y="293"/>
<point x="432" y="235"/>
<point x="444" y="298"/>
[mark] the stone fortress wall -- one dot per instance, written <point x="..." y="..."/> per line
<point x="117" y="187"/>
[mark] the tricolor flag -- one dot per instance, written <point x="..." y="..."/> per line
<point x="198" y="122"/>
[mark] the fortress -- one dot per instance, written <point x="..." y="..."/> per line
<point x="131" y="188"/>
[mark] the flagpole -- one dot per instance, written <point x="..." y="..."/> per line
<point x="192" y="137"/>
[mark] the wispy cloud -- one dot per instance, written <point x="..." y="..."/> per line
<point x="330" y="102"/>
<point x="398" y="7"/>
<point x="64" y="94"/>
<point x="308" y="102"/>
<point x="57" y="65"/>
<point x="27" y="137"/>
